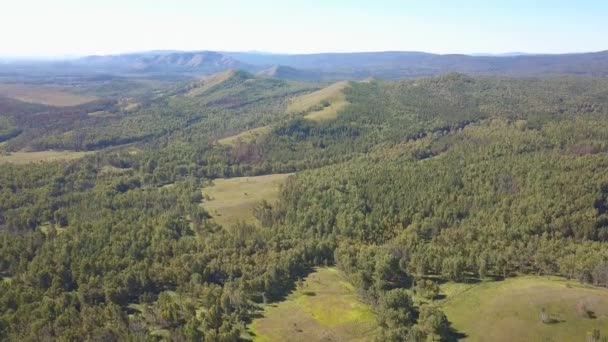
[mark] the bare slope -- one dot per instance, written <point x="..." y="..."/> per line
<point x="323" y="104"/>
<point x="248" y="136"/>
<point x="210" y="82"/>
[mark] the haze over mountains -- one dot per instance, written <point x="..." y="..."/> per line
<point x="334" y="66"/>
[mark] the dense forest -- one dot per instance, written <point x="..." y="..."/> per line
<point x="415" y="182"/>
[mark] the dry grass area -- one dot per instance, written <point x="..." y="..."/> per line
<point x="325" y="308"/>
<point x="40" y="156"/>
<point x="210" y="82"/>
<point x="510" y="310"/>
<point x="43" y="95"/>
<point x="101" y="114"/>
<point x="246" y="137"/>
<point x="232" y="200"/>
<point x="323" y="104"/>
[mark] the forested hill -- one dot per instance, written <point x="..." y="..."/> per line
<point x="399" y="184"/>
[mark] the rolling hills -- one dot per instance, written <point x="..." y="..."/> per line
<point x="401" y="194"/>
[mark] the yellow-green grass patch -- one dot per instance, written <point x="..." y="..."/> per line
<point x="101" y="114"/>
<point x="232" y="200"/>
<point x="248" y="136"/>
<point x="23" y="157"/>
<point x="510" y="310"/>
<point x="323" y="104"/>
<point x="43" y="95"/>
<point x="324" y="308"/>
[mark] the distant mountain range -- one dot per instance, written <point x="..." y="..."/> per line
<point x="207" y="61"/>
<point x="332" y="66"/>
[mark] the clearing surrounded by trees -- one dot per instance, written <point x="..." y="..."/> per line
<point x="323" y="307"/>
<point x="23" y="157"/>
<point x="510" y="310"/>
<point x="248" y="136"/>
<point x="231" y="200"/>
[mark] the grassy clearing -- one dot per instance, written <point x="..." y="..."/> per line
<point x="509" y="310"/>
<point x="322" y="104"/>
<point x="112" y="170"/>
<point x="231" y="200"/>
<point x="43" y="95"/>
<point x="39" y="156"/>
<point x="324" y="308"/>
<point x="102" y="114"/>
<point x="23" y="157"/>
<point x="246" y="137"/>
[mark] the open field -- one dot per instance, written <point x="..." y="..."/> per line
<point x="246" y="137"/>
<point x="43" y="95"/>
<point x="323" y="104"/>
<point x="232" y="200"/>
<point x="40" y="156"/>
<point x="510" y="310"/>
<point x="324" y="308"/>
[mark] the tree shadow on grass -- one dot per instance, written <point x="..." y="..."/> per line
<point x="588" y="314"/>
<point x="283" y="288"/>
<point x="455" y="335"/>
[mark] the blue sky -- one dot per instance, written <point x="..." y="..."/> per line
<point x="81" y="27"/>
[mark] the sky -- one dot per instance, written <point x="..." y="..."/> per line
<point x="84" y="27"/>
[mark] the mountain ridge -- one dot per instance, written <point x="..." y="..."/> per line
<point x="330" y="66"/>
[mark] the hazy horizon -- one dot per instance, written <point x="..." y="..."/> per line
<point x="160" y="51"/>
<point x="75" y="28"/>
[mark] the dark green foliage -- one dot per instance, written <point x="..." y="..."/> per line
<point x="427" y="289"/>
<point x="433" y="323"/>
